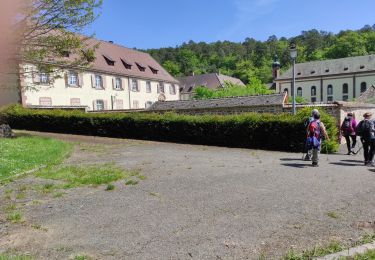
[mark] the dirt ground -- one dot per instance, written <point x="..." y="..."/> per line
<point x="197" y="202"/>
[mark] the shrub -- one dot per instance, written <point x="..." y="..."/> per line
<point x="281" y="132"/>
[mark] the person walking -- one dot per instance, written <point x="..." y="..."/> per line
<point x="307" y="123"/>
<point x="348" y="128"/>
<point x="366" y="131"/>
<point x="315" y="130"/>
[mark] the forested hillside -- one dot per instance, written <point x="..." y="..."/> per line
<point x="254" y="58"/>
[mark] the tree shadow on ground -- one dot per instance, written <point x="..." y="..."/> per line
<point x="296" y="165"/>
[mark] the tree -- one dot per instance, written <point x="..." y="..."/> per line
<point x="48" y="31"/>
<point x="172" y="67"/>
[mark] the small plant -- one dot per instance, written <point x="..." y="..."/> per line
<point x="333" y="214"/>
<point x="81" y="257"/>
<point x="15" y="257"/>
<point x="20" y="196"/>
<point x="14" y="217"/>
<point x="47" y="188"/>
<point x="58" y="194"/>
<point x="39" y="227"/>
<point x="110" y="187"/>
<point x="10" y="207"/>
<point x="142" y="177"/>
<point x="131" y="182"/>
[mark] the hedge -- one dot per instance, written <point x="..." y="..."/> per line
<point x="251" y="130"/>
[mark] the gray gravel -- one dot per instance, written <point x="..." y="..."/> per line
<point x="200" y="202"/>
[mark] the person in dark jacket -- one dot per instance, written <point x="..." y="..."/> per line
<point x="366" y="131"/>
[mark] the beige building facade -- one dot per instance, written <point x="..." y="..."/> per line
<point x="330" y="80"/>
<point x="119" y="79"/>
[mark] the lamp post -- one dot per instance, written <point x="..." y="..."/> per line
<point x="293" y="55"/>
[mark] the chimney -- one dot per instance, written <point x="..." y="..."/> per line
<point x="275" y="68"/>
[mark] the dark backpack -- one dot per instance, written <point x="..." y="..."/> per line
<point x="347" y="126"/>
<point x="365" y="130"/>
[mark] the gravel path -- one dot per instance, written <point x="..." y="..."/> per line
<point x="199" y="202"/>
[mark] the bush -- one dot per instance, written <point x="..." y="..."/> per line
<point x="250" y="130"/>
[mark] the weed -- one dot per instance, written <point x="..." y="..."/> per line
<point x="36" y="202"/>
<point x="10" y="207"/>
<point x="23" y="188"/>
<point x="14" y="217"/>
<point x="110" y="187"/>
<point x="333" y="214"/>
<point x="15" y="257"/>
<point x="142" y="177"/>
<point x="8" y="197"/>
<point x="47" y="188"/>
<point x="58" y="194"/>
<point x="81" y="257"/>
<point x="39" y="227"/>
<point x="317" y="251"/>
<point x="155" y="194"/>
<point x="8" y="191"/>
<point x="21" y="196"/>
<point x="131" y="182"/>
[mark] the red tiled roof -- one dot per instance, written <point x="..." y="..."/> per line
<point x="116" y="53"/>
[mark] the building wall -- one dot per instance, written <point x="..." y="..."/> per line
<point x="61" y="94"/>
<point x="9" y="90"/>
<point x="321" y="83"/>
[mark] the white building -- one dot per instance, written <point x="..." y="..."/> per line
<point x="119" y="78"/>
<point x="330" y="80"/>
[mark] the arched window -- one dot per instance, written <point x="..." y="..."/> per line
<point x="313" y="91"/>
<point x="299" y="91"/>
<point x="363" y="87"/>
<point x="329" y="90"/>
<point x="329" y="93"/>
<point x="345" y="88"/>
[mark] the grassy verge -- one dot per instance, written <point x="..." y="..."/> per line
<point x="25" y="153"/>
<point x="368" y="255"/>
<point x="75" y="176"/>
<point x="330" y="248"/>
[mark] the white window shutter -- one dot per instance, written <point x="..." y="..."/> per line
<point x="66" y="79"/>
<point x="93" y="80"/>
<point x="36" y="77"/>
<point x="80" y="79"/>
<point x="113" y="83"/>
<point x="104" y="79"/>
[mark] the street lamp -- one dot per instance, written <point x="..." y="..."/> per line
<point x="293" y="55"/>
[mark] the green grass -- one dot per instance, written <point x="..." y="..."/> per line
<point x="333" y="214"/>
<point x="131" y="182"/>
<point x="110" y="187"/>
<point x="25" y="153"/>
<point x="81" y="257"/>
<point x="15" y="257"/>
<point x="14" y="217"/>
<point x="317" y="251"/>
<point x="76" y="176"/>
<point x="368" y="255"/>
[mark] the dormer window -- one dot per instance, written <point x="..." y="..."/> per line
<point x="155" y="71"/>
<point x="313" y="72"/>
<point x="126" y="64"/>
<point x="362" y="67"/>
<point x="346" y="68"/>
<point x="299" y="73"/>
<point x="109" y="60"/>
<point x="141" y="67"/>
<point x="327" y="70"/>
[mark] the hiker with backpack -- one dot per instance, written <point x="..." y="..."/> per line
<point x="366" y="131"/>
<point x="315" y="130"/>
<point x="348" y="128"/>
<point x="307" y="123"/>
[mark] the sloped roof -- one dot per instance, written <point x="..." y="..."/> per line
<point x="332" y="67"/>
<point x="133" y="57"/>
<point x="211" y="80"/>
<point x="368" y="96"/>
<point x="259" y="100"/>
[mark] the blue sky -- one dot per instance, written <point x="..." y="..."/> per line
<point x="162" y="23"/>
